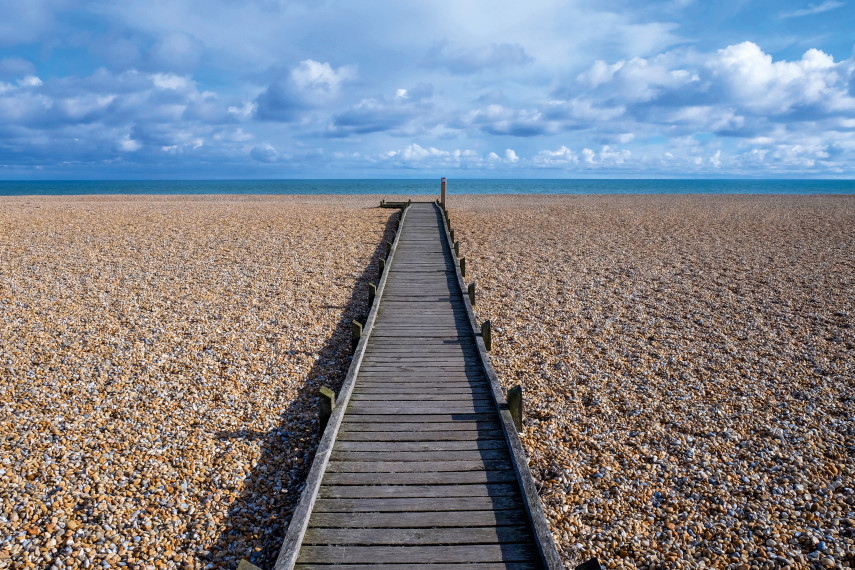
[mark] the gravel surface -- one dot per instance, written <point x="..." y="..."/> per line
<point x="688" y="366"/>
<point x="159" y="365"/>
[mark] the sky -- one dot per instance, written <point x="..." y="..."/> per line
<point x="175" y="89"/>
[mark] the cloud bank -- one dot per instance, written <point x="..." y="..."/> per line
<point x="511" y="94"/>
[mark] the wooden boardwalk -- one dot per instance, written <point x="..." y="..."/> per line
<point x="420" y="463"/>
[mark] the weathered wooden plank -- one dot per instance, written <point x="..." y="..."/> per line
<point x="416" y="389"/>
<point x="423" y="369"/>
<point x="390" y="537"/>
<point x="424" y="378"/>
<point x="423" y="418"/>
<point x="391" y="344"/>
<point x="438" y="408"/>
<point x="416" y="328"/>
<point x="427" y="314"/>
<point x="425" y="405"/>
<point x="386" y="466"/>
<point x="420" y="329"/>
<point x="470" y="455"/>
<point x="404" y="364"/>
<point x="513" y="552"/>
<point x="426" y="519"/>
<point x="438" y="426"/>
<point x="419" y="357"/>
<point x="440" y="379"/>
<point x="422" y="388"/>
<point x="411" y="385"/>
<point x="438" y="346"/>
<point x="470" y="375"/>
<point x="400" y="399"/>
<point x="426" y="309"/>
<point x="424" y="353"/>
<point x="427" y="347"/>
<point x="410" y="504"/>
<point x="428" y="566"/>
<point x="440" y="386"/>
<point x="438" y="435"/>
<point x="423" y="298"/>
<point x="416" y="336"/>
<point x="396" y="364"/>
<point x="431" y="385"/>
<point x="450" y="445"/>
<point x="441" y="362"/>
<point x="369" y="491"/>
<point x="424" y="374"/>
<point x="433" y="478"/>
<point x="417" y="322"/>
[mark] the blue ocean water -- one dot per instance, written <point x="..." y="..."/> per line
<point x="426" y="187"/>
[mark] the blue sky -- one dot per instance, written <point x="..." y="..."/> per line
<point x="371" y="89"/>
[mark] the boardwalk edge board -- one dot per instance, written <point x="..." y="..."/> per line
<point x="539" y="524"/>
<point x="300" y="520"/>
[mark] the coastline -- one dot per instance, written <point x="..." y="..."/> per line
<point x="428" y="187"/>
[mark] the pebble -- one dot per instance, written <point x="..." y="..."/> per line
<point x="159" y="362"/>
<point x="699" y="347"/>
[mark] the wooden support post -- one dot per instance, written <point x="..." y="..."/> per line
<point x="372" y="292"/>
<point x="515" y="405"/>
<point x="355" y="335"/>
<point x="247" y="565"/>
<point x="457" y="249"/>
<point x="326" y="405"/>
<point x="471" y="291"/>
<point x="486" y="335"/>
<point x="442" y="192"/>
<point x="382" y="203"/>
<point x="388" y="248"/>
<point x="463" y="266"/>
<point x="381" y="267"/>
<point x="451" y="233"/>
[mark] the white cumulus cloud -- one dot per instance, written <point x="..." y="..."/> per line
<point x="715" y="159"/>
<point x="318" y="77"/>
<point x="552" y="158"/>
<point x="127" y="144"/>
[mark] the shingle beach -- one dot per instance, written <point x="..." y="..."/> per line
<point x="688" y="365"/>
<point x="689" y="370"/>
<point x="159" y="365"/>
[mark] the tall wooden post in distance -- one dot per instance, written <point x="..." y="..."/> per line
<point x="442" y="193"/>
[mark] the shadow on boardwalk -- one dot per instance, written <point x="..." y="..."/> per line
<point x="274" y="485"/>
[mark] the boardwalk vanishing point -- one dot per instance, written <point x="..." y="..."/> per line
<point x="420" y="463"/>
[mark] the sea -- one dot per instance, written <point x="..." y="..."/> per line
<point x="426" y="187"/>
